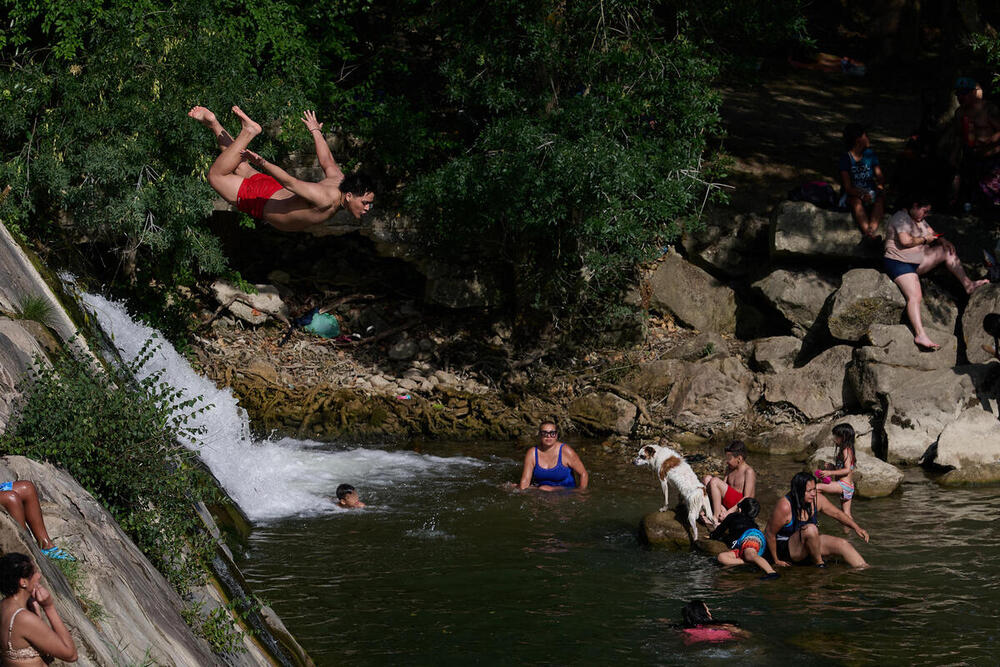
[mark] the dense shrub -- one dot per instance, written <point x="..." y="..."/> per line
<point x="119" y="440"/>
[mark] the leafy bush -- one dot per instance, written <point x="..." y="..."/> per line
<point x="119" y="440"/>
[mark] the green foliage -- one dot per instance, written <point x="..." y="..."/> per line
<point x="119" y="440"/>
<point x="219" y="627"/>
<point x="987" y="46"/>
<point x="74" y="576"/>
<point x="35" y="308"/>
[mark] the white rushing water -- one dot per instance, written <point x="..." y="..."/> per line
<point x="268" y="479"/>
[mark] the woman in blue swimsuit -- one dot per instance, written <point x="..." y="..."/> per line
<point x="793" y="534"/>
<point x="551" y="465"/>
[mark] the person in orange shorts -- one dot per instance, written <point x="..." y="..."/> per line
<point x="275" y="196"/>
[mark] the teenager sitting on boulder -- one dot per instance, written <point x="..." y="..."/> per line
<point x="912" y="248"/>
<point x="862" y="181"/>
<point x="20" y="499"/>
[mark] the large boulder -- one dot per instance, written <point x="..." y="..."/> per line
<point x="937" y="309"/>
<point x="693" y="296"/>
<point x="802" y="229"/>
<point x="728" y="244"/>
<point x="18" y="350"/>
<point x="865" y="297"/>
<point x="670" y="530"/>
<point x="252" y="308"/>
<point x="873" y="478"/>
<point x="696" y="394"/>
<point x="893" y="345"/>
<point x="816" y="390"/>
<point x="775" y="354"/>
<point x="863" y="432"/>
<point x="704" y="345"/>
<point x="983" y="301"/>
<point x="915" y="405"/>
<point x="972" y="442"/>
<point x="798" y="295"/>
<point x="794" y="439"/>
<point x="604" y="412"/>
<point x="142" y="622"/>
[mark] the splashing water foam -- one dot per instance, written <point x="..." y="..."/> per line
<point x="268" y="479"/>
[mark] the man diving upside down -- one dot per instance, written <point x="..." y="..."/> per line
<point x="277" y="197"/>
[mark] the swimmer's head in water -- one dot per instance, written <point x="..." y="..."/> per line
<point x="359" y="194"/>
<point x="695" y="613"/>
<point x="343" y="490"/>
<point x="749" y="507"/>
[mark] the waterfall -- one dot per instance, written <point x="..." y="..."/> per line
<point x="268" y="479"/>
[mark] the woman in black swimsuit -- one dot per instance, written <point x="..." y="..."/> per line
<point x="793" y="534"/>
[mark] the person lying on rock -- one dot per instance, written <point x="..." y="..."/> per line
<point x="276" y="197"/>
<point x="793" y="531"/>
<point x="27" y="640"/>
<point x="347" y="497"/>
<point x="912" y="248"/>
<point x="740" y="482"/>
<point x="20" y="499"/>
<point x="551" y="465"/>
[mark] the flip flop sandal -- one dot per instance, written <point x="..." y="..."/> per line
<point x="58" y="553"/>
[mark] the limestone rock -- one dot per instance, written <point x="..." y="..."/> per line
<point x="727" y="243"/>
<point x="937" y="309"/>
<point x="873" y="478"/>
<point x="802" y="229"/>
<point x="784" y="439"/>
<point x="671" y="531"/>
<point x="404" y="349"/>
<point x="252" y="308"/>
<point x="775" y="354"/>
<point x="604" y="413"/>
<point x="142" y="623"/>
<point x="983" y="301"/>
<point x="893" y="345"/>
<point x="986" y="473"/>
<point x="817" y="389"/>
<point x="18" y="349"/>
<point x="705" y="345"/>
<point x="696" y="298"/>
<point x="798" y="295"/>
<point x="972" y="440"/>
<point x="865" y="297"/>
<point x="696" y="393"/>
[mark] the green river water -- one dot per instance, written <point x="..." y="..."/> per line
<point x="449" y="567"/>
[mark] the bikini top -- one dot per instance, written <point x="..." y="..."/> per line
<point x="18" y="654"/>
<point x="796" y="524"/>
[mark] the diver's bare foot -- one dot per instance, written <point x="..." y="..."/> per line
<point x="203" y="116"/>
<point x="926" y="343"/>
<point x="249" y="125"/>
<point x="976" y="284"/>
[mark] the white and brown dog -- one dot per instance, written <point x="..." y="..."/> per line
<point x="670" y="467"/>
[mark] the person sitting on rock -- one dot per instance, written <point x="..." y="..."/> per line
<point x="551" y="465"/>
<point x="287" y="203"/>
<point x="862" y="181"/>
<point x="840" y="478"/>
<point x="740" y="482"/>
<point x="27" y="640"/>
<point x="793" y="531"/>
<point x="746" y="541"/>
<point x="347" y="497"/>
<point x="912" y="248"/>
<point x="20" y="499"/>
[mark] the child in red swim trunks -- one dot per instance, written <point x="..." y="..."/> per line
<point x="740" y="482"/>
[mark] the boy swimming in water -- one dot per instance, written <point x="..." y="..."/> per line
<point x="347" y="497"/>
<point x="276" y="197"/>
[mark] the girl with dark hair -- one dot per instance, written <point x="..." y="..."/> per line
<point x="699" y="626"/>
<point x="745" y="540"/>
<point x="26" y="639"/>
<point x="793" y="533"/>
<point x="845" y="461"/>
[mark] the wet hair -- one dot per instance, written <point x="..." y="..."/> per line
<point x="357" y="184"/>
<point x="695" y="613"/>
<point x="852" y="132"/>
<point x="797" y="497"/>
<point x="748" y="507"/>
<point x="738" y="448"/>
<point x="551" y="422"/>
<point x="13" y="568"/>
<point x="845" y="433"/>
<point x="343" y="490"/>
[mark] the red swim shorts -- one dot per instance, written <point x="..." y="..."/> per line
<point x="731" y="498"/>
<point x="254" y="193"/>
